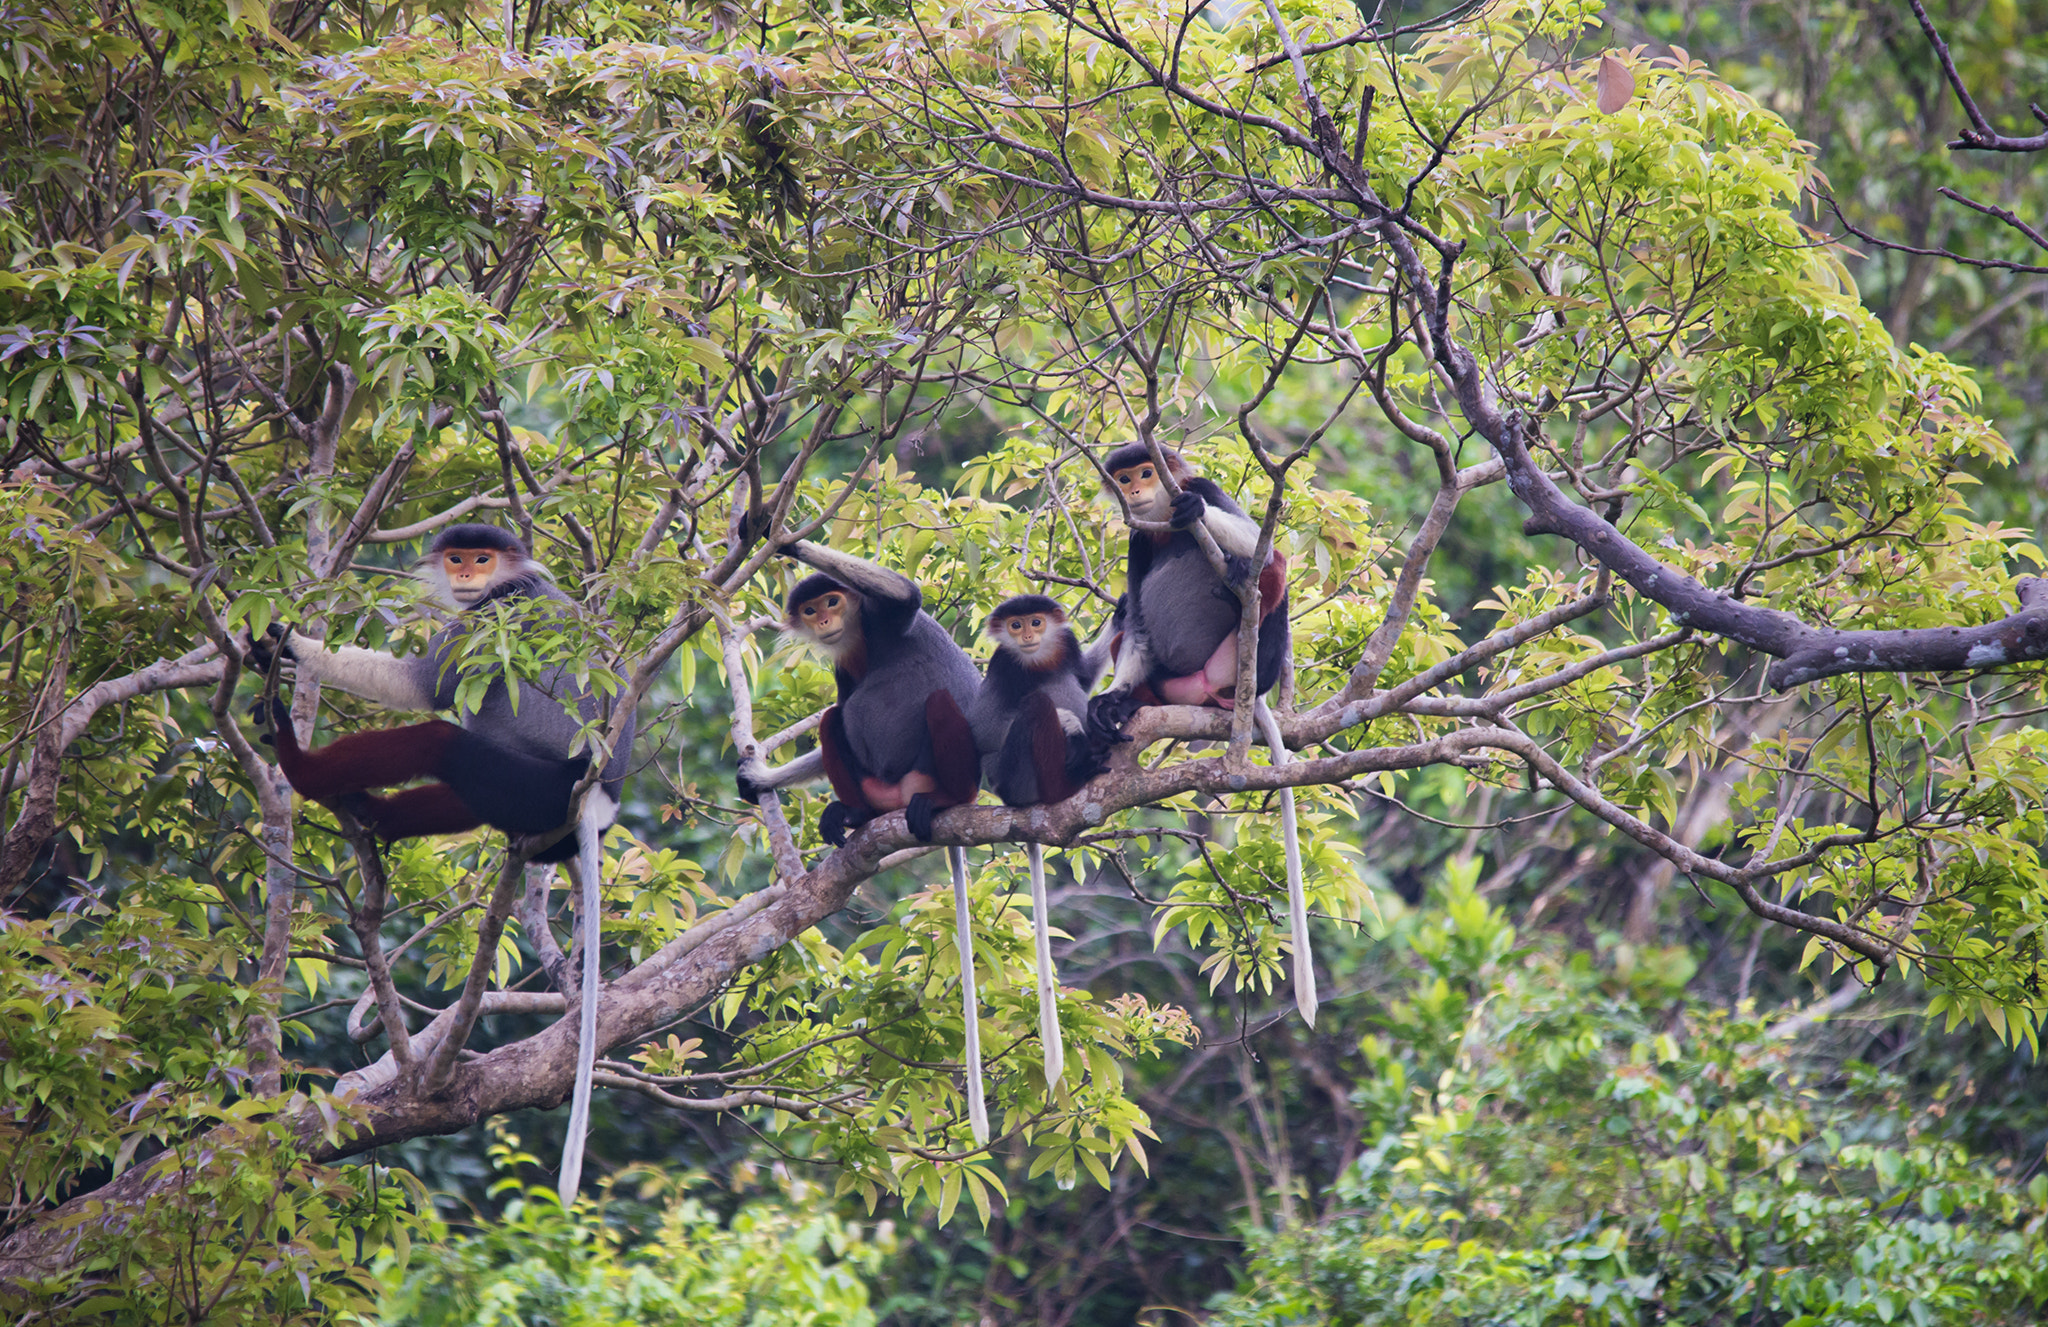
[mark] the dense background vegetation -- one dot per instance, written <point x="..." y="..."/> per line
<point x="661" y="284"/>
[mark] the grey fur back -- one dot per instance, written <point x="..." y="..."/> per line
<point x="552" y="709"/>
<point x="884" y="712"/>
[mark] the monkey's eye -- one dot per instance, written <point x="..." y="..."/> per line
<point x="1038" y="622"/>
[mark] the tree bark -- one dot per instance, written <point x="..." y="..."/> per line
<point x="32" y="829"/>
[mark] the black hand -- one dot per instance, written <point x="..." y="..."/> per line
<point x="752" y="526"/>
<point x="749" y="788"/>
<point x="918" y="816"/>
<point x="265" y="649"/>
<point x="836" y="824"/>
<point x="1187" y="509"/>
<point x="1107" y="715"/>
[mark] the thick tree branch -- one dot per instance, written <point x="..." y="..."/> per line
<point x="37" y="820"/>
<point x="1804" y="653"/>
<point x="482" y="963"/>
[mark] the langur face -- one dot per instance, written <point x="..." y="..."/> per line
<point x="1143" y="492"/>
<point x="826" y="618"/>
<point x="1028" y="634"/>
<point x="471" y="572"/>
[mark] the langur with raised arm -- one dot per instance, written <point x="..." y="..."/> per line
<point x="511" y="765"/>
<point x="898" y="739"/>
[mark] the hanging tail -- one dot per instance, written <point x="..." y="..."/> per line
<point x="963" y="923"/>
<point x="1048" y="990"/>
<point x="1297" y="899"/>
<point x="585" y="871"/>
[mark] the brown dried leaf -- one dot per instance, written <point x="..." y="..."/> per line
<point x="1615" y="85"/>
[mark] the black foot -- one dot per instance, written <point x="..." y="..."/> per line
<point x="269" y="718"/>
<point x="918" y="815"/>
<point x="1107" y="715"/>
<point x="1086" y="758"/>
<point x="360" y="807"/>
<point x="839" y="822"/>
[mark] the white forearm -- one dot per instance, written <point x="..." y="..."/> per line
<point x="1234" y="534"/>
<point x="371" y="674"/>
<point x="804" y="769"/>
<point x="1133" y="663"/>
<point x="857" y="572"/>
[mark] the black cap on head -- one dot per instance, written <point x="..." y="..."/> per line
<point x="477" y="536"/>
<point x="1019" y="604"/>
<point x="809" y="588"/>
<point x="1137" y="453"/>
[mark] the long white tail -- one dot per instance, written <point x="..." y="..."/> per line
<point x="1297" y="900"/>
<point x="1048" y="989"/>
<point x="585" y="872"/>
<point x="963" y="924"/>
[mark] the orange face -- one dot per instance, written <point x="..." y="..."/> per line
<point x="1023" y="632"/>
<point x="470" y="571"/>
<point x="824" y="618"/>
<point x="1142" y="491"/>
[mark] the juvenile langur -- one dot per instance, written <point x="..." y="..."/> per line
<point x="1180" y="625"/>
<point x="898" y="739"/>
<point x="512" y="767"/>
<point x="1030" y="722"/>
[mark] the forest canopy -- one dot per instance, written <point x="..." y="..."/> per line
<point x="1618" y="530"/>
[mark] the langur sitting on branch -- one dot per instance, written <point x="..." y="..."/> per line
<point x="1030" y="722"/>
<point x="1180" y="619"/>
<point x="1180" y="625"/>
<point x="898" y="739"/>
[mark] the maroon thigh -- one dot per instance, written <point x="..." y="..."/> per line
<point x="1048" y="748"/>
<point x="415" y="813"/>
<point x="839" y="764"/>
<point x="361" y="761"/>
<point x="956" y="766"/>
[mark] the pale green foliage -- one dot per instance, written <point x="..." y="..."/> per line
<point x="1554" y="1148"/>
<point x="781" y="1259"/>
<point x="117" y="1029"/>
<point x="635" y="271"/>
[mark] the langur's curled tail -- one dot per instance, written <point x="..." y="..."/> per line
<point x="1297" y="900"/>
<point x="970" y="1001"/>
<point x="585" y="871"/>
<point x="1048" y="990"/>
